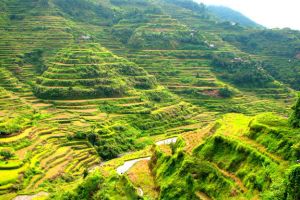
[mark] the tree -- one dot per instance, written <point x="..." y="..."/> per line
<point x="190" y="186"/>
<point x="92" y="138"/>
<point x="85" y="173"/>
<point x="225" y="92"/>
<point x="44" y="3"/>
<point x="295" y="116"/>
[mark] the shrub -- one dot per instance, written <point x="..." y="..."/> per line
<point x="110" y="139"/>
<point x="13" y="124"/>
<point x="85" y="191"/>
<point x="16" y="17"/>
<point x="6" y="154"/>
<point x="159" y="96"/>
<point x="92" y="138"/>
<point x="35" y="58"/>
<point x="225" y="92"/>
<point x="293" y="186"/>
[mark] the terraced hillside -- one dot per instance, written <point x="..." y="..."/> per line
<point x="238" y="157"/>
<point x="129" y="99"/>
<point x="237" y="160"/>
<point x="83" y="72"/>
<point x="186" y="66"/>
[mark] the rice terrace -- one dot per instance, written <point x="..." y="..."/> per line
<point x="146" y="99"/>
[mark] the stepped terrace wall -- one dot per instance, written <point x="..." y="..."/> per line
<point x="90" y="71"/>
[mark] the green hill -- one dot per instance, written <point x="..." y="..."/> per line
<point x="87" y="86"/>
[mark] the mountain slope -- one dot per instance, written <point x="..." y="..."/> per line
<point x="88" y="85"/>
<point x="228" y="14"/>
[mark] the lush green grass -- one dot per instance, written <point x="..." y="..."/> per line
<point x="276" y="134"/>
<point x="181" y="177"/>
<point x="12" y="124"/>
<point x="230" y="159"/>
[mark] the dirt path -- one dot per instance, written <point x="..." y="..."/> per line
<point x="195" y="138"/>
<point x="142" y="178"/>
<point x="96" y="99"/>
<point x="167" y="141"/>
<point x="31" y="197"/>
<point x="232" y="176"/>
<point x="202" y="196"/>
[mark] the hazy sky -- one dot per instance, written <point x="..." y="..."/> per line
<point x="269" y="13"/>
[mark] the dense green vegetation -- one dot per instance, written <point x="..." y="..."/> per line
<point x="241" y="157"/>
<point x="96" y="186"/>
<point x="227" y="14"/>
<point x="230" y="167"/>
<point x="86" y="10"/>
<point x="284" y="42"/>
<point x="295" y="117"/>
<point x="113" y="138"/>
<point x="279" y="49"/>
<point x="242" y="72"/>
<point x="88" y="86"/>
<point x="79" y="72"/>
<point x="13" y="124"/>
<point x="293" y="186"/>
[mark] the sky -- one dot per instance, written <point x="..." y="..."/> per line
<point x="269" y="13"/>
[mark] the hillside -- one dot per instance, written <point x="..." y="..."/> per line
<point x="228" y="14"/>
<point x="144" y="99"/>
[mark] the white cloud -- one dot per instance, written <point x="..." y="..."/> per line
<point x="270" y="13"/>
